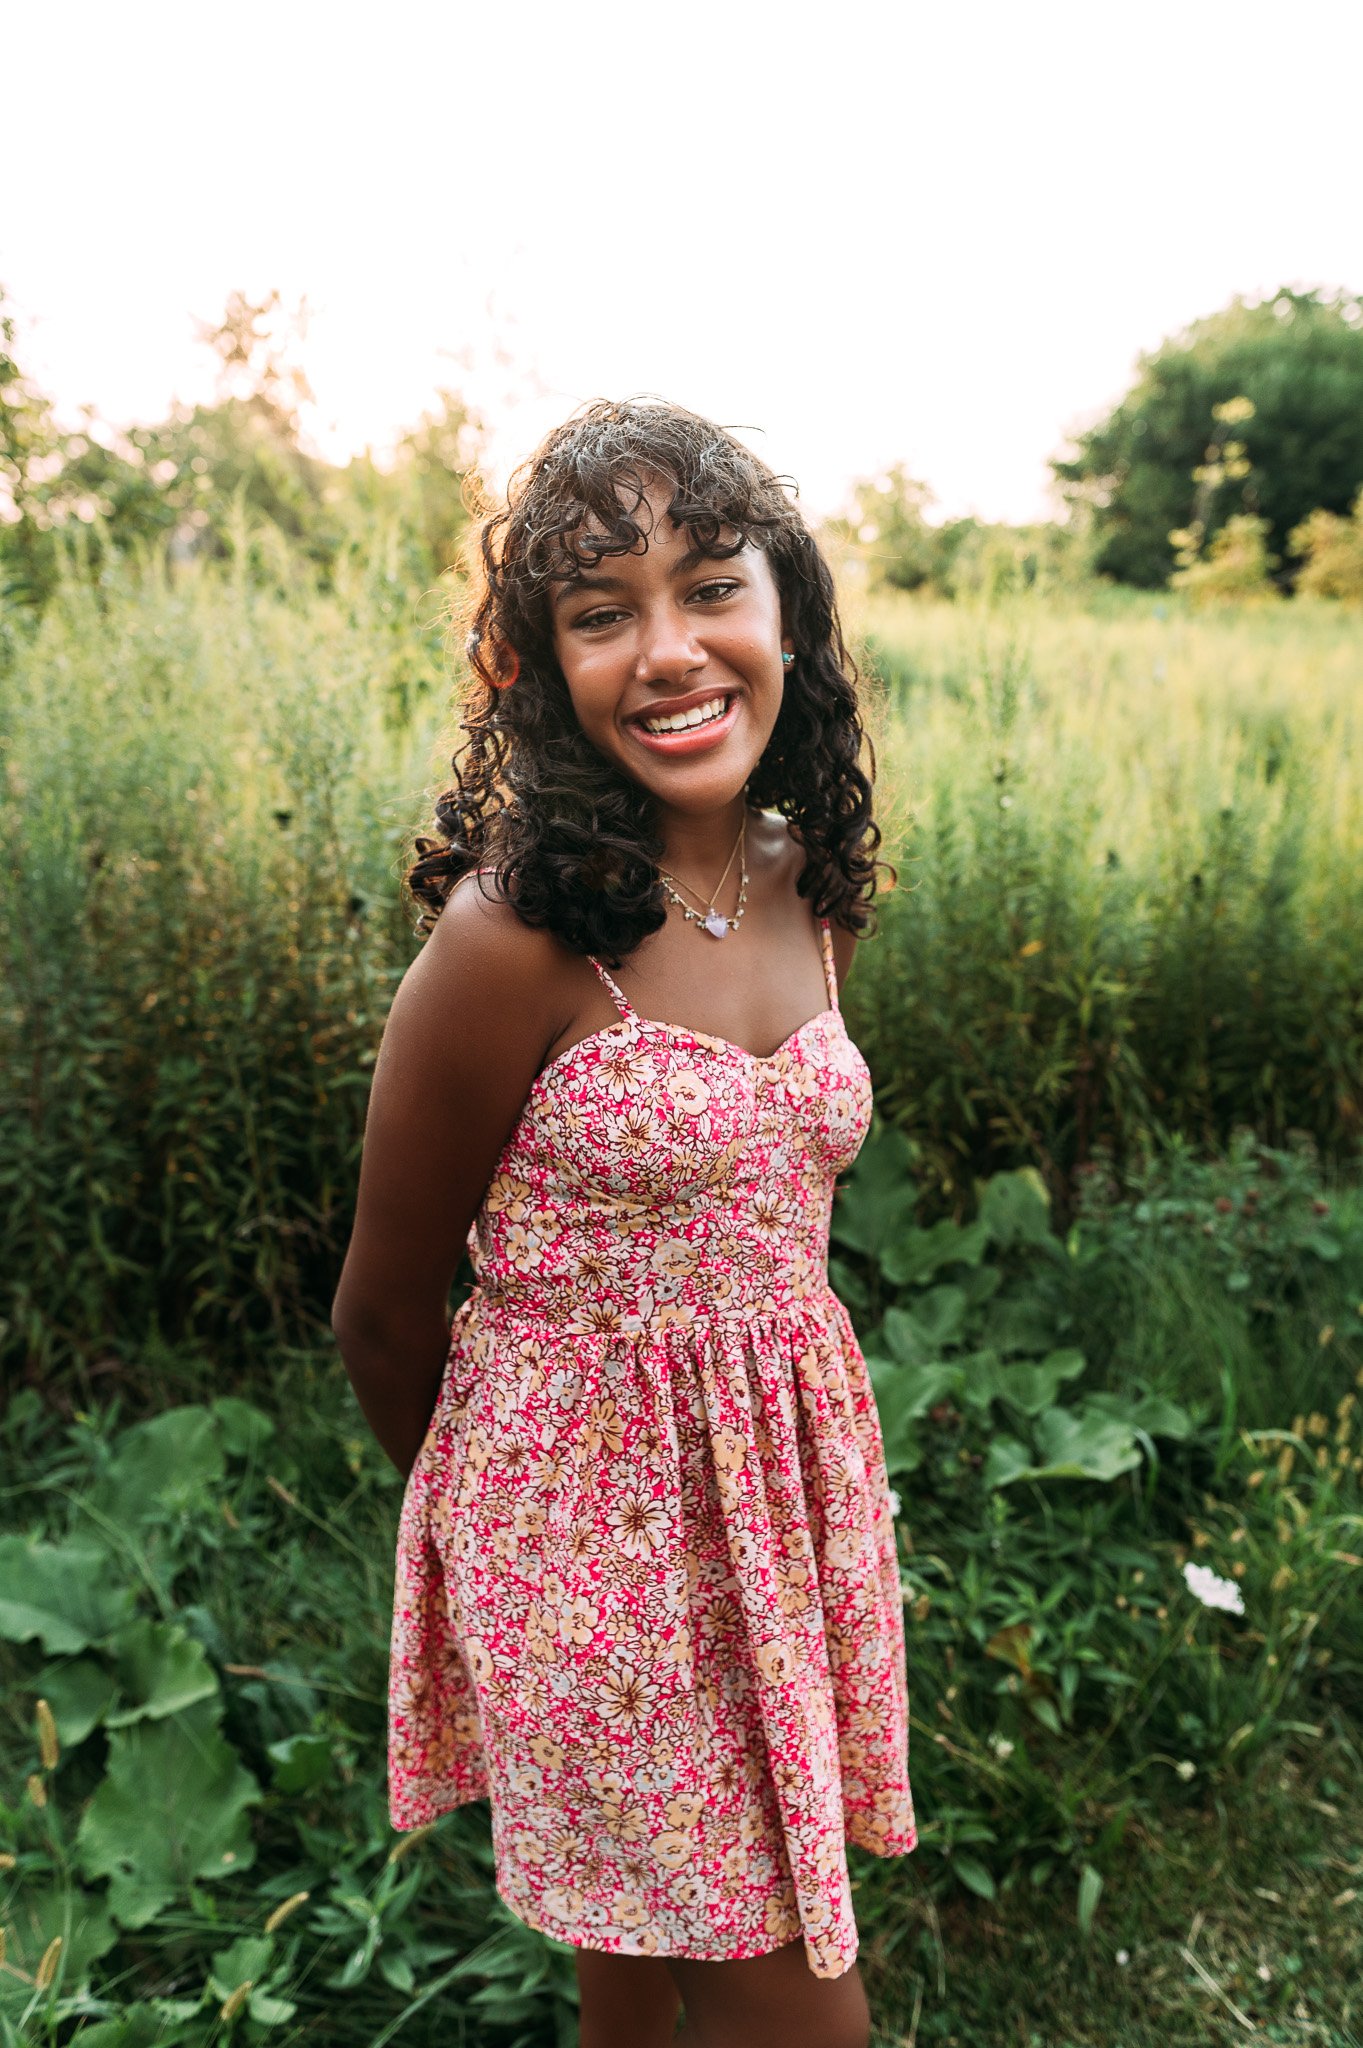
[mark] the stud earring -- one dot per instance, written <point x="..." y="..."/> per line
<point x="787" y="659"/>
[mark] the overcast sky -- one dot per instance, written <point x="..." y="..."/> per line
<point x="863" y="232"/>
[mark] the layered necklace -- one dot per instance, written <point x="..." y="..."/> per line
<point x="712" y="920"/>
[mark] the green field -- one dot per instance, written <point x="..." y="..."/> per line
<point x="1104" y="1250"/>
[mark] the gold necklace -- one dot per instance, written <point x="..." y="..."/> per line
<point x="714" y="922"/>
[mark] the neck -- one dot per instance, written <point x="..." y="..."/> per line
<point x="696" y="845"/>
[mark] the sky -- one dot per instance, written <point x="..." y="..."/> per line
<point x="859" y="233"/>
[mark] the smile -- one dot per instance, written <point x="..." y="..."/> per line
<point x="685" y="721"/>
<point x="688" y="732"/>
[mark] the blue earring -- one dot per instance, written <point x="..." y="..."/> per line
<point x="787" y="659"/>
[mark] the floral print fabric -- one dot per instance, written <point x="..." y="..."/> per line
<point x="647" y="1595"/>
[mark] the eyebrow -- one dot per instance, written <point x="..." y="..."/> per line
<point x="571" y="586"/>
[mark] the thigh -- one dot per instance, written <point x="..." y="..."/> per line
<point x="627" y="2001"/>
<point x="771" y="2001"/>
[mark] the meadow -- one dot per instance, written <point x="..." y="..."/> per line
<point x="1104" y="1250"/>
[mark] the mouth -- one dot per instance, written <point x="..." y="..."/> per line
<point x="693" y="730"/>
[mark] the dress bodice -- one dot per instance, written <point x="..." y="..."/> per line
<point x="659" y="1176"/>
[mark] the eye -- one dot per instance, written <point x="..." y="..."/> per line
<point x="725" y="589"/>
<point x="713" y="592"/>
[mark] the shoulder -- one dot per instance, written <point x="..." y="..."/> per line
<point x="844" y="942"/>
<point x="480" y="941"/>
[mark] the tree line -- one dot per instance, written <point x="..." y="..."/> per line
<point x="1232" y="467"/>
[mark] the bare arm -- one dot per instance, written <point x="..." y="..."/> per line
<point x="464" y="1039"/>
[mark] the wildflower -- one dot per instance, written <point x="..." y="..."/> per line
<point x="1186" y="1769"/>
<point x="1123" y="1956"/>
<point x="1001" y="1747"/>
<point x="896" y="1504"/>
<point x="1213" y="1591"/>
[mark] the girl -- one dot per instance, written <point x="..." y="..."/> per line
<point x="647" y="1595"/>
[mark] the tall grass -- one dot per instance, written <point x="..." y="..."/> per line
<point x="1129" y="850"/>
<point x="1129" y="842"/>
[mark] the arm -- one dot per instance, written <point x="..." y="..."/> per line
<point x="464" y="1039"/>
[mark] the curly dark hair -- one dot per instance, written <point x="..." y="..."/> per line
<point x="575" y="843"/>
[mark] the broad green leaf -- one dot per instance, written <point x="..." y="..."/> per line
<point x="876" y="1203"/>
<point x="35" y="1914"/>
<point x="245" y="1430"/>
<point x="1151" y="1412"/>
<point x="973" y="1874"/>
<point x="245" y="1962"/>
<point x="1030" y="1388"/>
<point x="896" y="1411"/>
<point x="171" y="1809"/>
<point x="1078" y="1443"/>
<point x="1090" y="1885"/>
<point x="63" y="1593"/>
<point x="1016" y="1208"/>
<point x="919" y="1335"/>
<point x="79" y="1692"/>
<point x="300" y="1761"/>
<point x="161" y="1468"/>
<point x="160" y="1670"/>
<point x="1071" y="1443"/>
<point x="916" y="1255"/>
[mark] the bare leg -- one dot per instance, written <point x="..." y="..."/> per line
<point x="627" y="2001"/>
<point x="771" y="2001"/>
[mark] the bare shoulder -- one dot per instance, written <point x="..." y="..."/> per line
<point x="480" y="941"/>
<point x="845" y="943"/>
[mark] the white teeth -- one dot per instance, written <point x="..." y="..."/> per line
<point x="701" y="715"/>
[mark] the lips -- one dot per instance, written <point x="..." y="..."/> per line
<point x="672" y="707"/>
<point x="696" y="739"/>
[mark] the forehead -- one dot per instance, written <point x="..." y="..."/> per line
<point x="595" y="552"/>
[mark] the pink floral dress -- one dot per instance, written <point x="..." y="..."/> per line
<point x="647" y="1594"/>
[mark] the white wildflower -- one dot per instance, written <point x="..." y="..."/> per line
<point x="1212" y="1591"/>
<point x="896" y="1504"/>
<point x="1001" y="1747"/>
<point x="1123" y="1955"/>
<point x="1186" y="1770"/>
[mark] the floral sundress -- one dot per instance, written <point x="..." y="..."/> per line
<point x="647" y="1595"/>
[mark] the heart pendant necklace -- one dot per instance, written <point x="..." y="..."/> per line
<point x="714" y="921"/>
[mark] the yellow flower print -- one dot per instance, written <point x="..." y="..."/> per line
<point x="547" y="1753"/>
<point x="479" y="1659"/>
<point x="605" y="1430"/>
<point x="689" y="1092"/>
<point x="674" y="1314"/>
<point x="624" y="1823"/>
<point x="509" y="1197"/>
<point x="578" y="1620"/>
<point x="684" y="1811"/>
<point x="599" y="1318"/>
<point x="541" y="1636"/>
<point x="562" y="1902"/>
<point x="625" y="1069"/>
<point x="672" y="1848"/>
<point x="674" y="1257"/>
<point x="522" y="1248"/>
<point x="628" y="1697"/>
<point x="793" y="1590"/>
<point x="635" y="1131"/>
<point x="729" y="1449"/>
<point x="628" y="1910"/>
<point x="771" y="1212"/>
<point x="775" y="1662"/>
<point x="638" y="1524"/>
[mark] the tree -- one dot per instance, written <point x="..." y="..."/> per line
<point x="1333" y="548"/>
<point x="1297" y="359"/>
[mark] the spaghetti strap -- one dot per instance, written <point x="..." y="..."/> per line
<point x="622" y="1001"/>
<point x="830" y="971"/>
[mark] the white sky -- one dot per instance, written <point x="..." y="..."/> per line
<point x="870" y="231"/>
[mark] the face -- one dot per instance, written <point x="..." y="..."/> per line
<point x="664" y="633"/>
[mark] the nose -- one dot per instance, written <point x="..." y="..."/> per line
<point x="668" y="648"/>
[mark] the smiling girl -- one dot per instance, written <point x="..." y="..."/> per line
<point x="647" y="1594"/>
